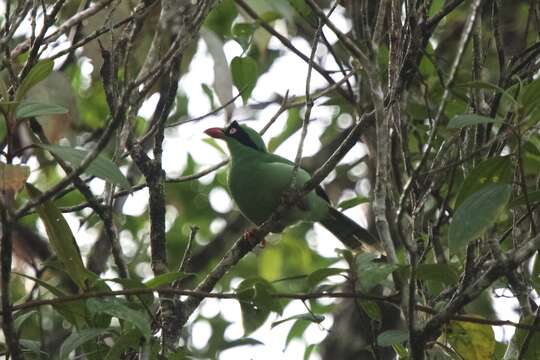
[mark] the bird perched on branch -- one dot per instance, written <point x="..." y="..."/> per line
<point x="260" y="181"/>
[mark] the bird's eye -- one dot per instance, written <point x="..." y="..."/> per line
<point x="232" y="131"/>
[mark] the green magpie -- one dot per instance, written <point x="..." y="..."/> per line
<point x="259" y="180"/>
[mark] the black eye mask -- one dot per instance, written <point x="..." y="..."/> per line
<point x="236" y="132"/>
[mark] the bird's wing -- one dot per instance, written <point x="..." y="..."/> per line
<point x="273" y="158"/>
<point x="280" y="172"/>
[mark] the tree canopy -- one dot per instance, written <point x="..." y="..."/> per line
<point x="119" y="236"/>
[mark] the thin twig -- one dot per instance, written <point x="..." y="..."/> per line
<point x="309" y="105"/>
<point x="290" y="46"/>
<point x="187" y="253"/>
<point x="73" y="21"/>
<point x="198" y="118"/>
<point x="92" y="154"/>
<point x="279" y="295"/>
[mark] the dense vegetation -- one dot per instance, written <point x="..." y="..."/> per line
<point x="420" y="119"/>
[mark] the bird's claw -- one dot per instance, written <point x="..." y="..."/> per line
<point x="249" y="237"/>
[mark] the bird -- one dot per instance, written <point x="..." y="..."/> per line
<point x="259" y="181"/>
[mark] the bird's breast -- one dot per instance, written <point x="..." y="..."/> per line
<point x="254" y="191"/>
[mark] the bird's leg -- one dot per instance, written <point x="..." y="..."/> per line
<point x="249" y="235"/>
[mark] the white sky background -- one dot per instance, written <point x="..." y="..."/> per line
<point x="287" y="73"/>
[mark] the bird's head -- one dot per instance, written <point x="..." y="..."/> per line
<point x="238" y="137"/>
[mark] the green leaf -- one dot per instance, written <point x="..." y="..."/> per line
<point x="33" y="109"/>
<point x="3" y="129"/>
<point x="372" y="309"/>
<point x="531" y="93"/>
<point x="115" y="307"/>
<point x="51" y="288"/>
<point x="78" y="338"/>
<point x="220" y="19"/>
<point x="213" y="143"/>
<point x="7" y="107"/>
<point x="243" y="34"/>
<point x="209" y="94"/>
<point x="270" y="16"/>
<point x="476" y="214"/>
<point x="533" y="351"/>
<point x="253" y="316"/>
<point x="256" y="303"/>
<point x="293" y="124"/>
<point x="350" y="203"/>
<point x="391" y="337"/>
<point x="61" y="239"/>
<point x="472" y="341"/>
<point x="244" y="75"/>
<point x="101" y="167"/>
<point x="38" y="73"/>
<point x="371" y="273"/>
<point x="444" y="273"/>
<point x="74" y="312"/>
<point x="296" y="331"/>
<point x="401" y="351"/>
<point x="497" y="170"/>
<point x="129" y="339"/>
<point x="300" y="6"/>
<point x="307" y="317"/>
<point x="240" y="342"/>
<point x="486" y="85"/>
<point x="317" y="276"/>
<point x="533" y="196"/>
<point x="536" y="273"/>
<point x="163" y="279"/>
<point x="460" y="121"/>
<point x="147" y="299"/>
<point x="309" y="350"/>
<point x="243" y="30"/>
<point x="21" y="318"/>
<point x="32" y="346"/>
<point x="270" y="263"/>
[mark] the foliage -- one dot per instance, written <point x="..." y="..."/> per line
<point x="114" y="205"/>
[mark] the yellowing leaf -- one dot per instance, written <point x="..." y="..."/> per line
<point x="472" y="341"/>
<point x="13" y="177"/>
<point x="271" y="264"/>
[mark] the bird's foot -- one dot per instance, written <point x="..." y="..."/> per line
<point x="249" y="236"/>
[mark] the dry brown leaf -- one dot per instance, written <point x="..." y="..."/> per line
<point x="13" y="177"/>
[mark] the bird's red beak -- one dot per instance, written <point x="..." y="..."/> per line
<point x="215" y="133"/>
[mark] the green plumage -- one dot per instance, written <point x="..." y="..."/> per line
<point x="259" y="179"/>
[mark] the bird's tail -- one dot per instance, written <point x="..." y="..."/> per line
<point x="348" y="231"/>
